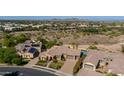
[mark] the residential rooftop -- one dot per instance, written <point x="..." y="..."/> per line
<point x="59" y="50"/>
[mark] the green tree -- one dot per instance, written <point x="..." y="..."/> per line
<point x="7" y="55"/>
<point x="21" y="38"/>
<point x="16" y="61"/>
<point x="51" y="43"/>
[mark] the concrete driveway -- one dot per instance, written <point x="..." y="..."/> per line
<point x="83" y="72"/>
<point x="68" y="66"/>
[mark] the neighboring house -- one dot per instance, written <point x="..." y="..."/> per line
<point x="32" y="43"/>
<point x="28" y="53"/>
<point x="83" y="25"/>
<point x="8" y="28"/>
<point x="97" y="60"/>
<point x="37" y="45"/>
<point x="26" y="50"/>
<point x="76" y="46"/>
<point x="104" y="61"/>
<point x="32" y="52"/>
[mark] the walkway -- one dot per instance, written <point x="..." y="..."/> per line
<point x="32" y="62"/>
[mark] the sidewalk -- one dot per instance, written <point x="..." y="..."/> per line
<point x="32" y="62"/>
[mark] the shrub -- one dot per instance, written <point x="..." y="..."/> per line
<point x="21" y="63"/>
<point x="122" y="48"/>
<point x="57" y="65"/>
<point x="16" y="61"/>
<point x="78" y="65"/>
<point x="92" y="47"/>
<point x="42" y="63"/>
<point x="96" y="43"/>
<point x="55" y="59"/>
<point x="111" y="74"/>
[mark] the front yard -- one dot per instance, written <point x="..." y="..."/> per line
<point x="42" y="63"/>
<point x="56" y="65"/>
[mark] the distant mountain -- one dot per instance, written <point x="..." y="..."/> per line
<point x="65" y="18"/>
<point x="90" y="18"/>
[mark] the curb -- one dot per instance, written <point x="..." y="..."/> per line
<point x="59" y="73"/>
<point x="50" y="70"/>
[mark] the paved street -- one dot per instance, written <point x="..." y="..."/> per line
<point x="26" y="71"/>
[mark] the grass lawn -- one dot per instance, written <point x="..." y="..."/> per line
<point x="42" y="63"/>
<point x="56" y="65"/>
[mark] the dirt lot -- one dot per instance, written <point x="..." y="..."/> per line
<point x="100" y="39"/>
<point x="75" y="37"/>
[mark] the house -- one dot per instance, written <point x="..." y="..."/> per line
<point x="37" y="44"/>
<point x="76" y="46"/>
<point x="104" y="61"/>
<point x="8" y="28"/>
<point x="26" y="50"/>
<point x="29" y="53"/>
<point x="33" y="43"/>
<point x="60" y="51"/>
<point x="32" y="52"/>
<point x="97" y="60"/>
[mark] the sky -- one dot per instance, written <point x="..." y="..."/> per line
<point x="120" y="18"/>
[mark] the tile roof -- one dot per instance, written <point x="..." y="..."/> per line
<point x="58" y="50"/>
<point x="94" y="56"/>
<point x="116" y="65"/>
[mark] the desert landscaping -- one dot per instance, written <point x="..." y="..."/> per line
<point x="72" y="47"/>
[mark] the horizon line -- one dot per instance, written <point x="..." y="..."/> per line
<point x="94" y="18"/>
